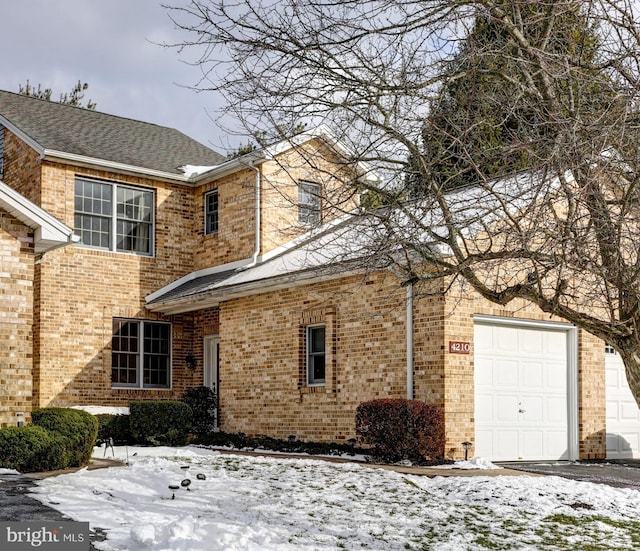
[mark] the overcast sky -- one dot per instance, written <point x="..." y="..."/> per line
<point x="110" y="44"/>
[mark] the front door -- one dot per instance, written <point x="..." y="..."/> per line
<point x="211" y="367"/>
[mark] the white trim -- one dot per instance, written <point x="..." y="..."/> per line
<point x="49" y="232"/>
<point x="195" y="275"/>
<point x="52" y="154"/>
<point x="573" y="451"/>
<point x="307" y="354"/>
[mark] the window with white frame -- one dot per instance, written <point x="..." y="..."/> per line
<point x="316" y="355"/>
<point x="114" y="216"/>
<point x="308" y="203"/>
<point x="211" y="212"/>
<point x="140" y="354"/>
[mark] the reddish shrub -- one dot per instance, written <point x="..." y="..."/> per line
<point x="398" y="429"/>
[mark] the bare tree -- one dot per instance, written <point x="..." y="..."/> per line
<point x="563" y="234"/>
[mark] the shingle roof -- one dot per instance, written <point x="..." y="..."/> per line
<point x="58" y="127"/>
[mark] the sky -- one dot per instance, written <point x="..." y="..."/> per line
<point x="240" y="503"/>
<point x="113" y="46"/>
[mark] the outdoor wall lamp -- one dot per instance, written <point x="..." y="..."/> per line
<point x="190" y="360"/>
<point x="466" y="446"/>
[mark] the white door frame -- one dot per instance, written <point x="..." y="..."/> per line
<point x="573" y="451"/>
<point x="211" y="355"/>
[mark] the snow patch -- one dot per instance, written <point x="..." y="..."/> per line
<point x="98" y="410"/>
<point x="285" y="504"/>
<point x="195" y="170"/>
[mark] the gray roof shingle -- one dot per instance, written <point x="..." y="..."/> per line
<point x="59" y="127"/>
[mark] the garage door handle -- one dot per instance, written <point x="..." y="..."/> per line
<point x="522" y="410"/>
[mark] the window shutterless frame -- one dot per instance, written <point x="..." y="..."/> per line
<point x="141" y="354"/>
<point x="211" y="214"/>
<point x="315" y="355"/>
<point x="308" y="203"/>
<point x="114" y="217"/>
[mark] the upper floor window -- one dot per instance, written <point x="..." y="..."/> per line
<point x="316" y="355"/>
<point x="140" y="354"/>
<point x="211" y="212"/>
<point x="113" y="216"/>
<point x="309" y="203"/>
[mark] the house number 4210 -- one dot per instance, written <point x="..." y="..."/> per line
<point x="457" y="347"/>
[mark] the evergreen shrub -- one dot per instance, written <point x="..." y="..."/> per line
<point x="114" y="426"/>
<point x="78" y="428"/>
<point x="32" y="449"/>
<point x="397" y="429"/>
<point x="160" y="422"/>
<point x="203" y="403"/>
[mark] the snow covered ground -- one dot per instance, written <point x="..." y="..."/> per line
<point x="259" y="503"/>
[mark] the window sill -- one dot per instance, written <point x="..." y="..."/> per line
<point x="313" y="389"/>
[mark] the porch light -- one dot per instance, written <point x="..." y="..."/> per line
<point x="466" y="446"/>
<point x="190" y="360"/>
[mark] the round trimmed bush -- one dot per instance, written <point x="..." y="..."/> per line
<point x="32" y="449"/>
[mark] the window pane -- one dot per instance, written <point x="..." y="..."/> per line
<point x="316" y="355"/>
<point x="92" y="212"/>
<point x="211" y="212"/>
<point x="135" y="215"/>
<point x="317" y="339"/>
<point x="125" y="353"/>
<point x="156" y="355"/>
<point x="309" y="203"/>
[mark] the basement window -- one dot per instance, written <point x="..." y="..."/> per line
<point x="141" y="354"/>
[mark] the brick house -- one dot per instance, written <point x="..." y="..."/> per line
<point x="193" y="269"/>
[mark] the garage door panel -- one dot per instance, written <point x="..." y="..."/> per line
<point x="532" y="374"/>
<point x="556" y="444"/>
<point x="506" y="442"/>
<point x="556" y="343"/>
<point x="532" y="408"/>
<point x="506" y="373"/>
<point x="556" y="376"/>
<point x="521" y="408"/>
<point x="483" y="338"/>
<point x="532" y="342"/>
<point x="484" y="443"/>
<point x="531" y="443"/>
<point x="556" y="410"/>
<point x="506" y="409"/>
<point x="505" y="340"/>
<point x="629" y="411"/>
<point x="623" y="414"/>
<point x="484" y="371"/>
<point x="484" y="408"/>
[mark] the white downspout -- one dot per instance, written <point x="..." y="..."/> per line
<point x="256" y="252"/>
<point x="409" y="341"/>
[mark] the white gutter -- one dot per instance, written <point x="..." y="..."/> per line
<point x="409" y="341"/>
<point x="112" y="165"/>
<point x="256" y="252"/>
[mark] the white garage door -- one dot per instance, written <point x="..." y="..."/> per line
<point x="623" y="415"/>
<point x="521" y="392"/>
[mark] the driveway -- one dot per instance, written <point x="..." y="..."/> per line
<point x="621" y="473"/>
<point x="19" y="506"/>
